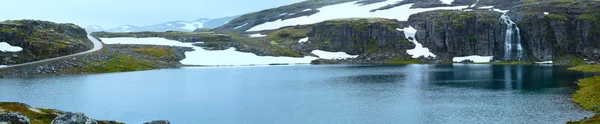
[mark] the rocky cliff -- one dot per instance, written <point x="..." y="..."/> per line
<point x="451" y="34"/>
<point x="554" y="29"/>
<point x="41" y="40"/>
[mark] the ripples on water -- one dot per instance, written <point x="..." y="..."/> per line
<point x="313" y="94"/>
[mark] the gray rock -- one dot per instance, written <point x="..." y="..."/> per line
<point x="73" y="118"/>
<point x="13" y="118"/>
<point x="158" y="122"/>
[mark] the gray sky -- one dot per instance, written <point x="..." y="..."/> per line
<point x="112" y="13"/>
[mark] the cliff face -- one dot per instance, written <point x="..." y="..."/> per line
<point x="41" y="40"/>
<point x="358" y="36"/>
<point x="451" y="34"/>
<point x="566" y="29"/>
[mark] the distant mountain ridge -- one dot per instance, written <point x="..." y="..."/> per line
<point x="185" y="26"/>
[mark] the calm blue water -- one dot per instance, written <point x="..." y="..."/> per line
<point x="313" y="94"/>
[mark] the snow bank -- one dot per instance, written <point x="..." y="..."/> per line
<point x="546" y="13"/>
<point x="303" y="40"/>
<point x="5" y="47"/>
<point x="447" y="1"/>
<point x="306" y="10"/>
<point x="352" y="10"/>
<point x="486" y="7"/>
<point x="212" y="58"/>
<point x="332" y="55"/>
<point x="2" y="66"/>
<point x="257" y="35"/>
<point x="545" y="62"/>
<point x="241" y="26"/>
<point x="419" y="49"/>
<point x="474" y="58"/>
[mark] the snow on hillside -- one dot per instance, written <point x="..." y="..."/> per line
<point x="332" y="55"/>
<point x="5" y="47"/>
<point x="212" y="58"/>
<point x="447" y="1"/>
<point x="419" y="50"/>
<point x="352" y="10"/>
<point x="474" y="58"/>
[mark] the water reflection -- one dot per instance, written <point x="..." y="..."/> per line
<point x="505" y="77"/>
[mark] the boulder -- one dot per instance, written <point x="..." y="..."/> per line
<point x="73" y="118"/>
<point x="13" y="118"/>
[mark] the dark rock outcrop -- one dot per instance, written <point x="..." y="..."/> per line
<point x="159" y="122"/>
<point x="451" y="34"/>
<point x="13" y="118"/>
<point x="73" y="118"/>
<point x="41" y="40"/>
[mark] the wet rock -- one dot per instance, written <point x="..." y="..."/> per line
<point x="13" y="118"/>
<point x="73" y="118"/>
<point x="159" y="122"/>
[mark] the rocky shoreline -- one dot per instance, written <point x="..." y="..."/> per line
<point x="112" y="58"/>
<point x="19" y="113"/>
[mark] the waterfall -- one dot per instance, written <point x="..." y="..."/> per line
<point x="513" y="49"/>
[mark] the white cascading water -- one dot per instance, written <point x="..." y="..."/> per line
<point x="513" y="40"/>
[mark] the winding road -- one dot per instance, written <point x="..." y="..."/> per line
<point x="97" y="46"/>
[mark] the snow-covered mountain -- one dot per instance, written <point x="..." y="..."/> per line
<point x="186" y="26"/>
<point x="314" y="11"/>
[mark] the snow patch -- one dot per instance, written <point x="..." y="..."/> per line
<point x="419" y="50"/>
<point x="193" y="25"/>
<point x="475" y="4"/>
<point x="332" y="55"/>
<point x="3" y="66"/>
<point x="303" y="40"/>
<point x="257" y="35"/>
<point x="240" y="26"/>
<point x="306" y="10"/>
<point x="282" y="14"/>
<point x="351" y="10"/>
<point x="474" y="58"/>
<point x="545" y="62"/>
<point x="5" y="47"/>
<point x="212" y="58"/>
<point x="486" y="7"/>
<point x="546" y="13"/>
<point x="499" y="10"/>
<point x="447" y="1"/>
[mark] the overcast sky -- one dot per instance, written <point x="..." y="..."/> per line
<point x="112" y="13"/>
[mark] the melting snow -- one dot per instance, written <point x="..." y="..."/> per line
<point x="240" y="26"/>
<point x="351" y="10"/>
<point x="257" y="35"/>
<point x="545" y="62"/>
<point x="212" y="58"/>
<point x="546" y="13"/>
<point x="303" y="40"/>
<point x="282" y="14"/>
<point x="486" y="7"/>
<point x="447" y="1"/>
<point x="306" y="10"/>
<point x="475" y="4"/>
<point x="419" y="49"/>
<point x="474" y="58"/>
<point x="332" y="55"/>
<point x="5" y="47"/>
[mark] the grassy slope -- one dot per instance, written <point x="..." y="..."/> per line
<point x="588" y="96"/>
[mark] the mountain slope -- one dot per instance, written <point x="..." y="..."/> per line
<point x="185" y="26"/>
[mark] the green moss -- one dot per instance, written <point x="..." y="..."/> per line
<point x="586" y="68"/>
<point x="45" y="117"/>
<point x="572" y="60"/>
<point x="588" y="95"/>
<point x="557" y="17"/>
<point x="156" y="52"/>
<point x="398" y="61"/>
<point x="119" y="63"/>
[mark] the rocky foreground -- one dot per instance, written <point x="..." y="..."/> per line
<point x="19" y="113"/>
